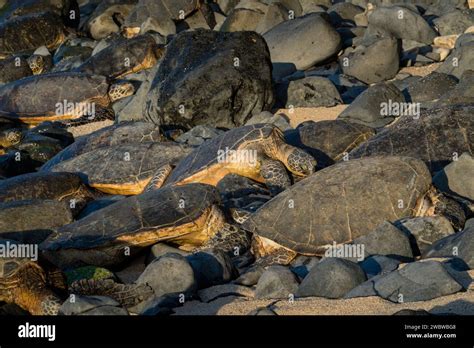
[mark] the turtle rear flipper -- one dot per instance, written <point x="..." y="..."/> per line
<point x="128" y="295"/>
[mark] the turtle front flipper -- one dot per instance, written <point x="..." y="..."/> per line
<point x="275" y="175"/>
<point x="28" y="288"/>
<point x="159" y="178"/>
<point x="128" y="295"/>
<point x="230" y="239"/>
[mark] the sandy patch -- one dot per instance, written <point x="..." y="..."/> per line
<point x="299" y="115"/>
<point x="420" y="70"/>
<point x="461" y="303"/>
<point x="89" y="128"/>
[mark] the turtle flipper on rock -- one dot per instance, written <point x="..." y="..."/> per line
<point x="258" y="152"/>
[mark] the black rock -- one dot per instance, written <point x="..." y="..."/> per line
<point x="454" y="22"/>
<point x="91" y="305"/>
<point x="386" y="240"/>
<point x="417" y="281"/>
<point x="378" y="264"/>
<point x="402" y="23"/>
<point x="211" y="268"/>
<point x="459" y="61"/>
<point x="367" y="108"/>
<point x="331" y="278"/>
<point x="311" y="91"/>
<point x="211" y="78"/>
<point x="276" y="282"/>
<point x="300" y="43"/>
<point x="424" y="231"/>
<point x="459" y="245"/>
<point x="169" y="274"/>
<point x="374" y="62"/>
<point x="463" y="92"/>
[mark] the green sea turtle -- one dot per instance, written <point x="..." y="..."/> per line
<point x="40" y="288"/>
<point x="328" y="141"/>
<point x="25" y="34"/>
<point x="338" y="204"/>
<point x="258" y="152"/>
<point x="30" y="286"/>
<point x="45" y="97"/>
<point x="43" y="185"/>
<point x="437" y="136"/>
<point x="125" y="169"/>
<point x="122" y="133"/>
<point x="19" y="8"/>
<point x="126" y="57"/>
<point x="186" y="215"/>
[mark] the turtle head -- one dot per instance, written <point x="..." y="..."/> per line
<point x="121" y="90"/>
<point x="435" y="203"/>
<point x="37" y="64"/>
<point x="300" y="163"/>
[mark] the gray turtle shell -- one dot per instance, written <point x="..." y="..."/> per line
<point x="206" y="155"/>
<point x="124" y="163"/>
<point x="40" y="94"/>
<point x="124" y="132"/>
<point x="434" y="137"/>
<point x="39" y="186"/>
<point x="111" y="61"/>
<point x="341" y="202"/>
<point x="25" y="34"/>
<point x="150" y="211"/>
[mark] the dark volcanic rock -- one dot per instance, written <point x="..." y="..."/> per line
<point x="276" y="282"/>
<point x="463" y="92"/>
<point x="169" y="274"/>
<point x="417" y="281"/>
<point x="378" y="264"/>
<point x="367" y="108"/>
<point x="374" y="62"/>
<point x="331" y="278"/>
<point x="454" y="22"/>
<point x="424" y="231"/>
<point x="402" y="23"/>
<point x="457" y="177"/>
<point x="212" y="78"/>
<point x="300" y="43"/>
<point x="211" y="268"/>
<point x="459" y="61"/>
<point x="388" y="240"/>
<point x="460" y="245"/>
<point x="310" y="91"/>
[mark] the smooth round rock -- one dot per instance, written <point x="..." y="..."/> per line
<point x="276" y="282"/>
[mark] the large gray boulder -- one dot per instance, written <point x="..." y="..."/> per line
<point x="402" y="23"/>
<point x="211" y="78"/>
<point x="374" y="62"/>
<point x="367" y="108"/>
<point x="457" y="177"/>
<point x="331" y="278"/>
<point x="300" y="43"/>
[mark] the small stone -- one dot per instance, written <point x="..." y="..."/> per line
<point x="424" y="231"/>
<point x="161" y="249"/>
<point x="417" y="281"/>
<point x="171" y="273"/>
<point x="77" y="304"/>
<point x="276" y="282"/>
<point x="331" y="278"/>
<point x="378" y="264"/>
<point x="211" y="268"/>
<point x="374" y="62"/>
<point x="210" y="294"/>
<point x="386" y="240"/>
<point x="459" y="245"/>
<point x="367" y="108"/>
